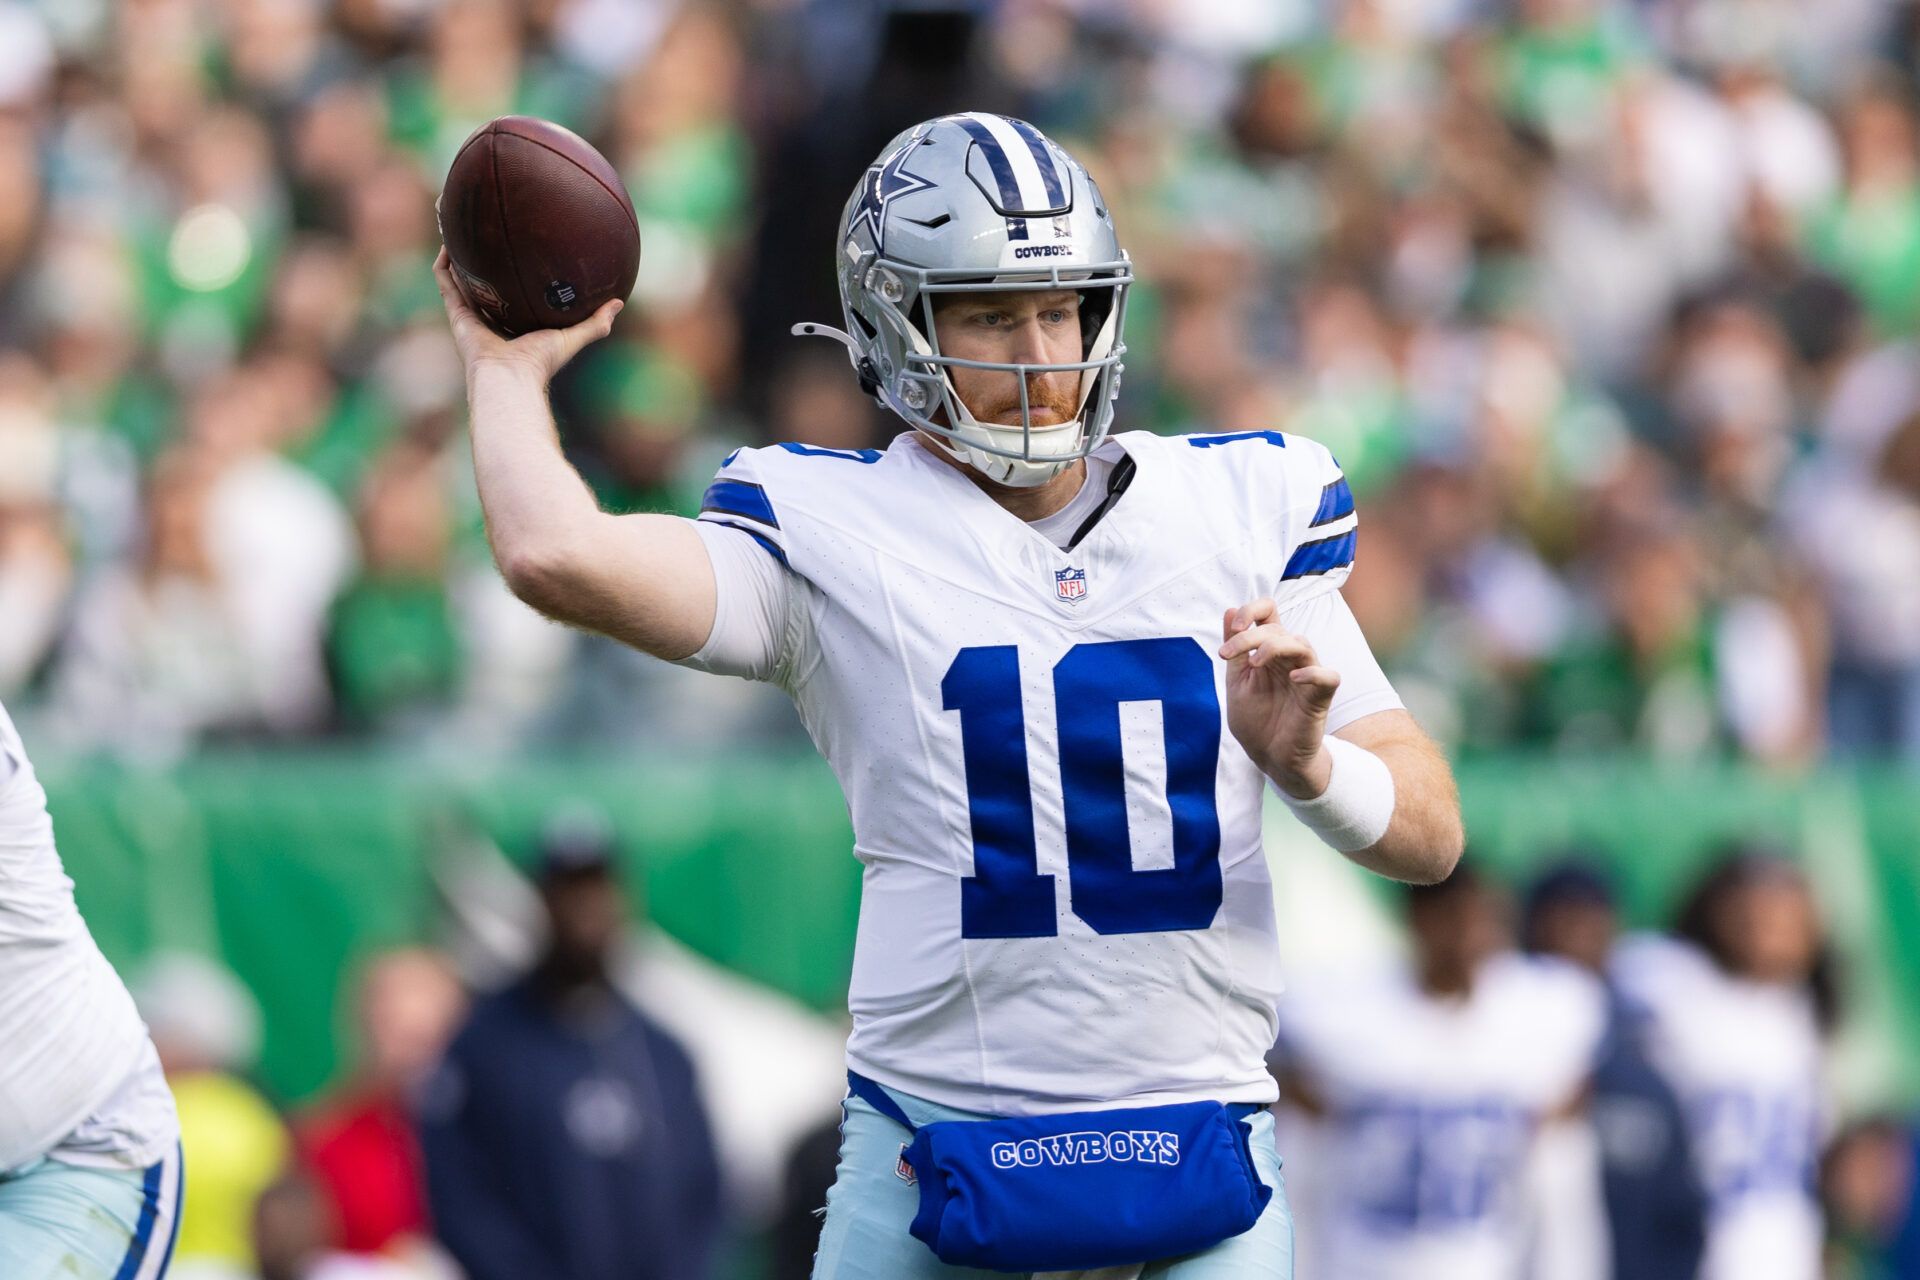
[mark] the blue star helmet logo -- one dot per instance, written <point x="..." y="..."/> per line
<point x="884" y="183"/>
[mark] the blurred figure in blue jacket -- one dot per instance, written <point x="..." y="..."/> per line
<point x="563" y="1132"/>
<point x="1656" y="1209"/>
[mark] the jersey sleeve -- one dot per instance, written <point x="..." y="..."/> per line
<point x="1330" y="627"/>
<point x="13" y="755"/>
<point x="753" y="608"/>
<point x="26" y="832"/>
<point x="738" y="499"/>
<point x="1322" y="525"/>
<point x="757" y="596"/>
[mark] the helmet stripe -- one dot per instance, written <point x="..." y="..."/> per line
<point x="1002" y="167"/>
<point x="1026" y="169"/>
<point x="1043" y="157"/>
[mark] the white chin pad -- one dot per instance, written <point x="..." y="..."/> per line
<point x="1050" y="448"/>
<point x="1015" y="473"/>
<point x="1042" y="444"/>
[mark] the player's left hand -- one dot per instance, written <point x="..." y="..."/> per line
<point x="1277" y="698"/>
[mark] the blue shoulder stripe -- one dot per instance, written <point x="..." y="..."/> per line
<point x="1318" y="557"/>
<point x="767" y="544"/>
<point x="739" y="498"/>
<point x="868" y="456"/>
<point x="1275" y="438"/>
<point x="1336" y="500"/>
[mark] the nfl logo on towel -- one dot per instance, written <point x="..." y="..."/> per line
<point x="1070" y="584"/>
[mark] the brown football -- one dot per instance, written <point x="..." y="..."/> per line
<point x="538" y="225"/>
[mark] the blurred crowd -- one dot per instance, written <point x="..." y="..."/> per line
<point x="1515" y="1088"/>
<point x="525" y="1121"/>
<point x="1529" y="1092"/>
<point x="1607" y="307"/>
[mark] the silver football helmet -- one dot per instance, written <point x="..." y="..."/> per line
<point x="979" y="203"/>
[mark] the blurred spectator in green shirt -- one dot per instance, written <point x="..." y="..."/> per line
<point x="393" y="649"/>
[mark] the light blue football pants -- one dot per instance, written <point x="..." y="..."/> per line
<point x="870" y="1206"/>
<point x="69" y="1222"/>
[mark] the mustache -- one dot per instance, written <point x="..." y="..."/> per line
<point x="1060" y="393"/>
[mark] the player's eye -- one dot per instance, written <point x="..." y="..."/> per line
<point x="1054" y="315"/>
<point x="990" y="319"/>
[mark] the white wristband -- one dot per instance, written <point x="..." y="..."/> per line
<point x="1355" y="809"/>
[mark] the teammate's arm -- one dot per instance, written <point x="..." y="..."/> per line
<point x="645" y="580"/>
<point x="1278" y="695"/>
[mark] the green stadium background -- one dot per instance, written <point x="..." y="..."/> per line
<point x="291" y="867"/>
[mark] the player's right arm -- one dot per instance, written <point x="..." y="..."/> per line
<point x="645" y="580"/>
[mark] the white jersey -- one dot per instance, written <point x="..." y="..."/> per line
<point x="1064" y="904"/>
<point x="72" y="1048"/>
<point x="1745" y="1059"/>
<point x="1432" y="1109"/>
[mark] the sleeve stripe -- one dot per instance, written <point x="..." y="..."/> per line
<point x="1319" y="557"/>
<point x="741" y="498"/>
<point x="771" y="547"/>
<point x="1275" y="438"/>
<point x="1336" y="500"/>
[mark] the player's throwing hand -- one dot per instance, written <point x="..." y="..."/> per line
<point x="1277" y="698"/>
<point x="543" y="351"/>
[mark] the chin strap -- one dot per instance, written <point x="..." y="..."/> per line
<point x="869" y="377"/>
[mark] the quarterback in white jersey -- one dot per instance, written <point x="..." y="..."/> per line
<point x="1437" y="1092"/>
<point x="1053" y="669"/>
<point x="1732" y="1024"/>
<point x="89" y="1162"/>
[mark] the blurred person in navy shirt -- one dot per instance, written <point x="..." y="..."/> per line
<point x="1656" y="1209"/>
<point x="563" y="1131"/>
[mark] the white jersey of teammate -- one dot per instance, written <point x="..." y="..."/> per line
<point x="1064" y="903"/>
<point x="78" y="1075"/>
<point x="1419" y="1167"/>
<point x="1745" y="1059"/>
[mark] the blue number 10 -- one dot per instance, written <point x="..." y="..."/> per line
<point x="1006" y="896"/>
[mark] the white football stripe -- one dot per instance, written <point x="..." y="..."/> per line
<point x="1332" y="528"/>
<point x="1143" y="752"/>
<point x="1026" y="170"/>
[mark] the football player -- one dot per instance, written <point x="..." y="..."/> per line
<point x="89" y="1143"/>
<point x="1446" y="1092"/>
<point x="1052" y="669"/>
<point x="1734" y="1006"/>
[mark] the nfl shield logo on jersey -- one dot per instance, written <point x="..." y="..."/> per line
<point x="1070" y="584"/>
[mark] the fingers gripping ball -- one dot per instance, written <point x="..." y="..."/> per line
<point x="539" y="229"/>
